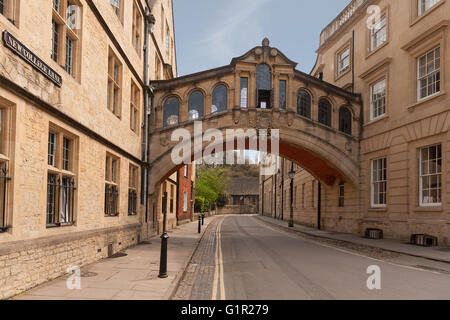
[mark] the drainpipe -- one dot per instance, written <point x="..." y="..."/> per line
<point x="353" y="61"/>
<point x="149" y="22"/>
<point x="319" y="206"/>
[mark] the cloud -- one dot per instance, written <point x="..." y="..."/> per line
<point x="237" y="23"/>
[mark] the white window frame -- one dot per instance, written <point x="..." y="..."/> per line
<point x="422" y="175"/>
<point x="378" y="29"/>
<point x="372" y="100"/>
<point x="185" y="199"/>
<point x="342" y="66"/>
<point x="427" y="74"/>
<point x="425" y="5"/>
<point x="373" y="182"/>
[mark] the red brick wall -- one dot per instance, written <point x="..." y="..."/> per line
<point x="184" y="185"/>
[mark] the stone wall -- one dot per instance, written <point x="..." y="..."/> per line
<point x="25" y="264"/>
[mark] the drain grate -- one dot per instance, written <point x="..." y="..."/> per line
<point x="88" y="274"/>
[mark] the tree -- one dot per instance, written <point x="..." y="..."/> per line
<point x="210" y="184"/>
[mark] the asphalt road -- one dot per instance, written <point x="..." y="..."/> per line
<point x="254" y="260"/>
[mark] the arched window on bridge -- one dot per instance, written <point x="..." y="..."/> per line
<point x="304" y="104"/>
<point x="324" y="112"/>
<point x="264" y="86"/>
<point x="196" y="105"/>
<point x="219" y="99"/>
<point x="171" y="112"/>
<point x="345" y="120"/>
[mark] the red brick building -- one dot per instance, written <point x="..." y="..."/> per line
<point x="185" y="193"/>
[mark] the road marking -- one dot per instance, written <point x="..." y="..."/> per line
<point x="218" y="282"/>
<point x="343" y="250"/>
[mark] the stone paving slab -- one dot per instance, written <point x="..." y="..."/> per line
<point x="132" y="277"/>
<point x="441" y="254"/>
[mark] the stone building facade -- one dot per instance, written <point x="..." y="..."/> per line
<point x="396" y="54"/>
<point x="242" y="196"/>
<point x="73" y="94"/>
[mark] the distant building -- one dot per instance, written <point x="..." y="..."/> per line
<point x="242" y="197"/>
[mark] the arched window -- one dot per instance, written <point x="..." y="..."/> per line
<point x="171" y="112"/>
<point x="264" y="86"/>
<point x="345" y="120"/>
<point x="304" y="104"/>
<point x="325" y="112"/>
<point x="219" y="99"/>
<point x="195" y="105"/>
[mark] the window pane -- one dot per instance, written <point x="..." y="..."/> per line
<point x="263" y="77"/>
<point x="66" y="154"/>
<point x="55" y="37"/>
<point x="325" y="112"/>
<point x="219" y="99"/>
<point x="171" y="112"/>
<point x="304" y="104"/>
<point x="51" y="148"/>
<point x="69" y="55"/>
<point x="282" y="97"/>
<point x="244" y="92"/>
<point x="196" y="105"/>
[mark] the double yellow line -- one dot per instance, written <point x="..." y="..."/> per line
<point x="218" y="291"/>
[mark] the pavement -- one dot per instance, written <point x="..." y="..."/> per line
<point x="440" y="254"/>
<point x="130" y="277"/>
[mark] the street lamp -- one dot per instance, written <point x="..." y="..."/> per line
<point x="291" y="176"/>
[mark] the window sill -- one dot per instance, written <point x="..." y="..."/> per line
<point x="380" y="209"/>
<point x="427" y="99"/>
<point x="430" y="209"/>
<point x="51" y="226"/>
<point x="111" y="215"/>
<point x="383" y="117"/>
<point x="339" y="76"/>
<point x="426" y="13"/>
<point x="374" y="51"/>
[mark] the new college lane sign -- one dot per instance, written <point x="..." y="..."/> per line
<point x="18" y="48"/>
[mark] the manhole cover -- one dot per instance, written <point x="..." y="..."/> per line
<point x="87" y="274"/>
<point x="118" y="255"/>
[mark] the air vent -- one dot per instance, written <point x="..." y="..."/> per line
<point x="376" y="234"/>
<point x="424" y="240"/>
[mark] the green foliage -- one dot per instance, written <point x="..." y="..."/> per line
<point x="210" y="183"/>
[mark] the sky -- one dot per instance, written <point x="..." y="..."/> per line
<point x="209" y="33"/>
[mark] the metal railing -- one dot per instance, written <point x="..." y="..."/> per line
<point x="132" y="202"/>
<point x="60" y="200"/>
<point x="3" y="196"/>
<point x="341" y="19"/>
<point x="111" y="200"/>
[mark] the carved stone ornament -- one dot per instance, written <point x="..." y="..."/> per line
<point x="274" y="52"/>
<point x="164" y="139"/>
<point x="290" y="119"/>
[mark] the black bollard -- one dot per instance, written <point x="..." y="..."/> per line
<point x="163" y="259"/>
<point x="203" y="219"/>
<point x="199" y="224"/>
<point x="164" y="240"/>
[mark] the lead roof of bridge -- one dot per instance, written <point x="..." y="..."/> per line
<point x="250" y="57"/>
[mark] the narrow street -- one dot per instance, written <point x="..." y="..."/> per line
<point x="242" y="257"/>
